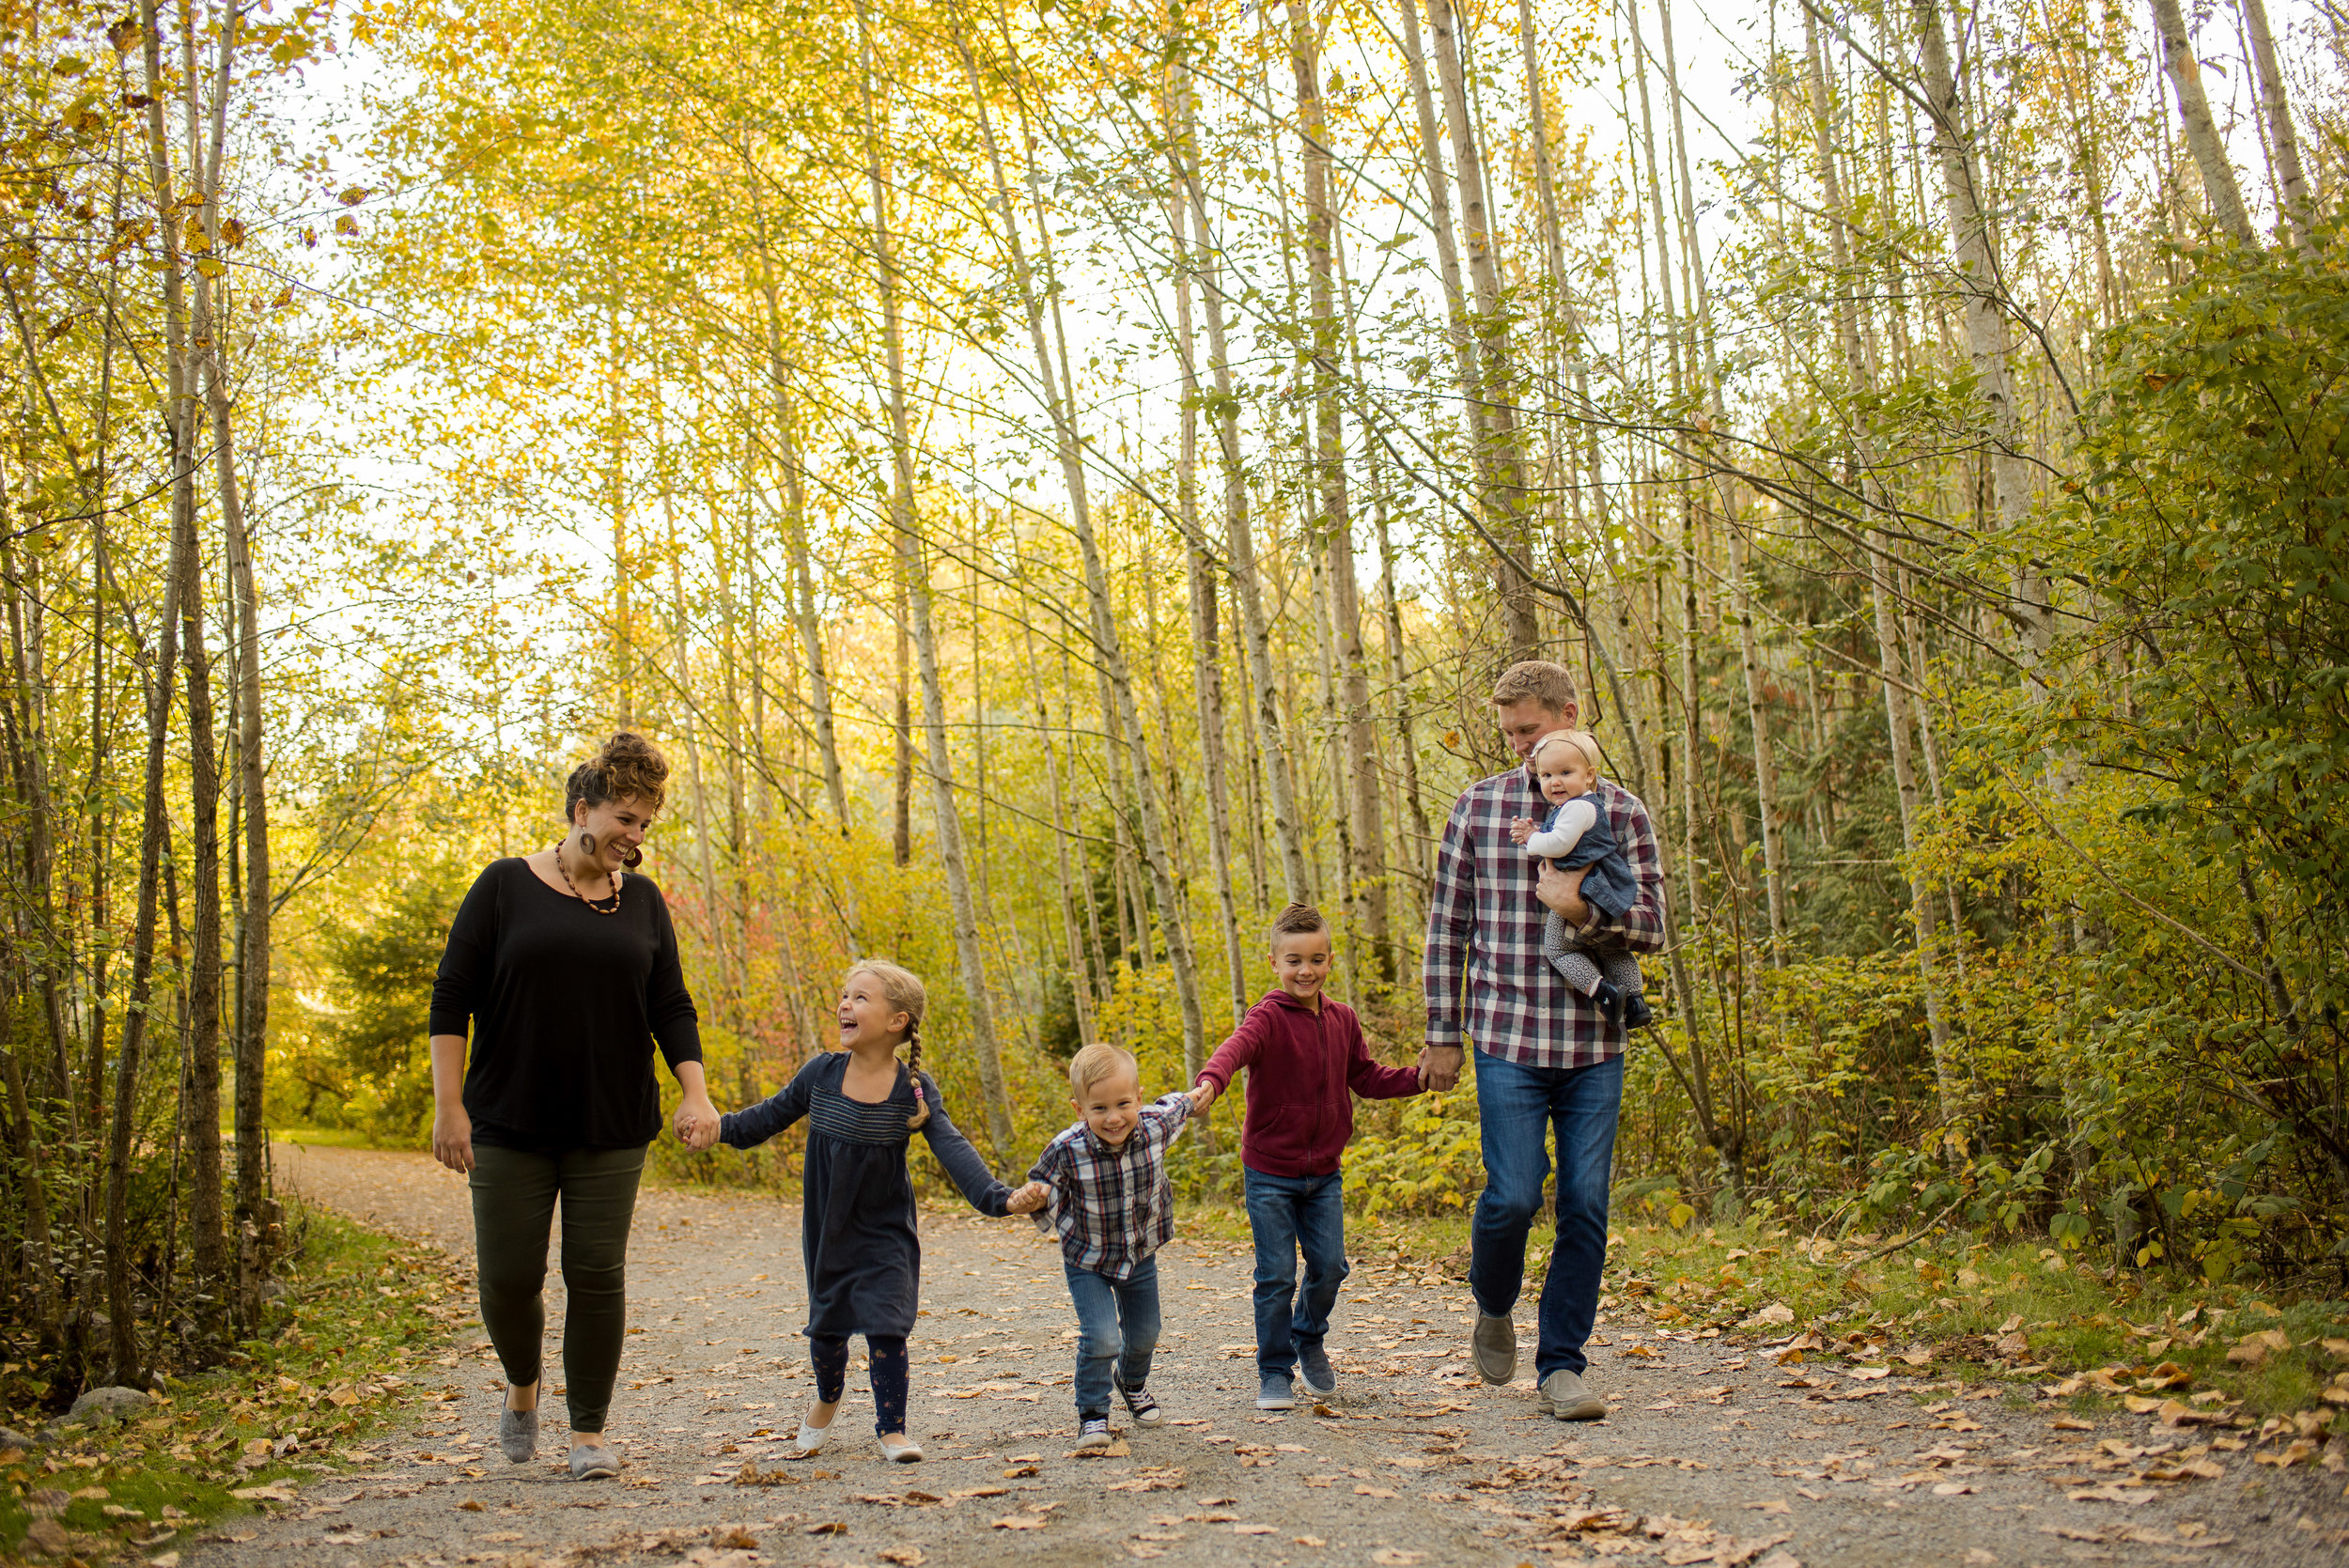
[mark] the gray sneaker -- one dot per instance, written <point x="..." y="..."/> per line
<point x="592" y="1461"/>
<point x="1313" y="1366"/>
<point x="1563" y="1396"/>
<point x="1494" y="1348"/>
<point x="517" y="1435"/>
<point x="1276" y="1394"/>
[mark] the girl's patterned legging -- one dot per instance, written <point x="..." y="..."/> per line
<point x="890" y="1371"/>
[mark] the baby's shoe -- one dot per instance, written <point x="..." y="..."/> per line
<point x="1637" y="1014"/>
<point x="1610" y="1000"/>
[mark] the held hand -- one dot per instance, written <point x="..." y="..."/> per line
<point x="1439" y="1067"/>
<point x="452" y="1139"/>
<point x="1201" y="1098"/>
<point x="697" y="1123"/>
<point x="1029" y="1199"/>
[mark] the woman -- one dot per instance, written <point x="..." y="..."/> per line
<point x="566" y="966"/>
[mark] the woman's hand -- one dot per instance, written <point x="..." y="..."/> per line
<point x="697" y="1121"/>
<point x="452" y="1137"/>
<point x="1029" y="1199"/>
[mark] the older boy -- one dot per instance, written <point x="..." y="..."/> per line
<point x="1104" y="1190"/>
<point x="1305" y="1060"/>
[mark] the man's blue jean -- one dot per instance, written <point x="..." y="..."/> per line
<point x="1117" y="1329"/>
<point x="1291" y="1215"/>
<point x="1516" y="1105"/>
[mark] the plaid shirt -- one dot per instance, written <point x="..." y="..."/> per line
<point x="1113" y="1207"/>
<point x="1485" y="927"/>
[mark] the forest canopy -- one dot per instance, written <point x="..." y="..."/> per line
<point x="1060" y="480"/>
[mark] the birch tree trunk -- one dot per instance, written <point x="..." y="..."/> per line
<point x="1365" y="825"/>
<point x="1199" y="579"/>
<point x="200" y="1113"/>
<point x="2283" y="140"/>
<point x="905" y="521"/>
<point x="1980" y="280"/>
<point x="2201" y="133"/>
<point x="1497" y="383"/>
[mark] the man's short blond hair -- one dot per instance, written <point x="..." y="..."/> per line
<point x="1096" y="1062"/>
<point x="1581" y="740"/>
<point x="1537" y="680"/>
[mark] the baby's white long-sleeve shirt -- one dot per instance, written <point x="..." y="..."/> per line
<point x="1574" y="819"/>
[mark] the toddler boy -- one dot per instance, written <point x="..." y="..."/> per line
<point x="1104" y="1190"/>
<point x="1306" y="1059"/>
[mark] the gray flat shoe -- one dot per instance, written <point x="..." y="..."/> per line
<point x="517" y="1435"/>
<point x="594" y="1462"/>
<point x="1494" y="1347"/>
<point x="1563" y="1396"/>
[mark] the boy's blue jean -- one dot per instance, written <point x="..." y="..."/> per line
<point x="1289" y="1215"/>
<point x="1118" y="1329"/>
<point x="1516" y="1107"/>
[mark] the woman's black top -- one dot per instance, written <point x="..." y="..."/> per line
<point x="564" y="1006"/>
<point x="857" y="1235"/>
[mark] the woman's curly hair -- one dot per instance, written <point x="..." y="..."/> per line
<point x="629" y="768"/>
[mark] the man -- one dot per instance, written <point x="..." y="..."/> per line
<point x="1546" y="1055"/>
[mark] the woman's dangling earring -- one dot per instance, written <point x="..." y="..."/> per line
<point x="588" y="844"/>
<point x="633" y="859"/>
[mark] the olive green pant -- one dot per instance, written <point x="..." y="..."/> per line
<point x="514" y="1194"/>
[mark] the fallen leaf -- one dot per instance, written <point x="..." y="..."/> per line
<point x="1394" y="1558"/>
<point x="470" y="1505"/>
<point x="734" y="1538"/>
<point x="830" y="1527"/>
<point x="2072" y="1423"/>
<point x="2127" y="1497"/>
<point x="1780" y="1559"/>
<point x="2167" y="1376"/>
<point x="1772" y="1505"/>
<point x="1021" y="1521"/>
<point x="1868" y="1374"/>
<point x="169" y="1559"/>
<point x="1951" y="1488"/>
<point x="1373" y="1491"/>
<point x="904" y="1557"/>
<point x="2186" y="1470"/>
<point x="1311" y="1541"/>
<point x="1252" y="1529"/>
<point x="1777" y="1311"/>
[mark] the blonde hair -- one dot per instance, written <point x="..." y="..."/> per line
<point x="904" y="991"/>
<point x="1536" y="680"/>
<point x="1581" y="740"/>
<point x="1096" y="1062"/>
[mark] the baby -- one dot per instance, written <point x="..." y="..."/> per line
<point x="1575" y="837"/>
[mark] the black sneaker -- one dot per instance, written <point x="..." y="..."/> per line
<point x="1092" y="1433"/>
<point x="1139" y="1405"/>
<point x="1313" y="1366"/>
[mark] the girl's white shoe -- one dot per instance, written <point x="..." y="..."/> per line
<point x="813" y="1438"/>
<point x="900" y="1451"/>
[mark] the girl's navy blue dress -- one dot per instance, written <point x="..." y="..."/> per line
<point x="857" y="1232"/>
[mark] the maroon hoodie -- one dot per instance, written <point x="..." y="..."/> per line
<point x="1301" y="1065"/>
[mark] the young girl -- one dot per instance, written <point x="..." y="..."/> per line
<point x="857" y="1234"/>
<point x="1575" y="837"/>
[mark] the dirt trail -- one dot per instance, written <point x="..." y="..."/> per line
<point x="1710" y="1445"/>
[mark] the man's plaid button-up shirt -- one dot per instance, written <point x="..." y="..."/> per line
<point x="1113" y="1208"/>
<point x="1485" y="930"/>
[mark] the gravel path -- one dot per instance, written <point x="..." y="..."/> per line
<point x="1715" y="1453"/>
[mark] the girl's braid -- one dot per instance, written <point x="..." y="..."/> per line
<point x="913" y="1065"/>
